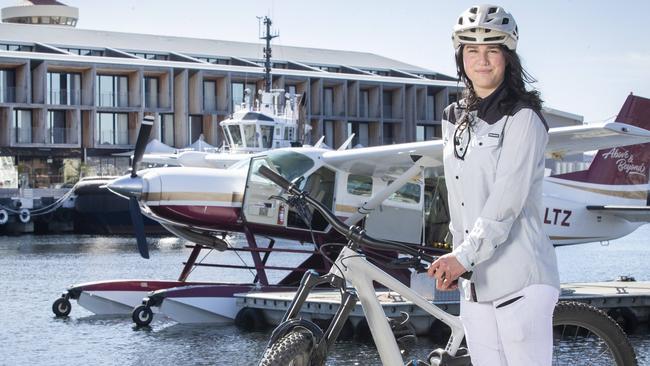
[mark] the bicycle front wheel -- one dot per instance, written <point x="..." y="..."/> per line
<point x="584" y="335"/>
<point x="293" y="349"/>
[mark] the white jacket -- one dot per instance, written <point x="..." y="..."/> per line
<point x="495" y="199"/>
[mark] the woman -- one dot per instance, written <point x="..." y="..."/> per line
<point x="494" y="143"/>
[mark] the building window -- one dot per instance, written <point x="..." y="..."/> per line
<point x="209" y="95"/>
<point x="112" y="91"/>
<point x="56" y="127"/>
<point x="151" y="92"/>
<point x="167" y="129"/>
<point x="112" y="128"/>
<point x="328" y="132"/>
<point x="361" y="133"/>
<point x="387" y="97"/>
<point x="23" y="119"/>
<point x="237" y="90"/>
<point x="196" y="127"/>
<point x="431" y="105"/>
<point x="364" y="101"/>
<point x="389" y="133"/>
<point x="7" y="86"/>
<point x="63" y="88"/>
<point x="424" y="133"/>
<point x="328" y="101"/>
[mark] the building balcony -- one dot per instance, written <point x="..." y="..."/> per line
<point x="64" y="97"/>
<point x="61" y="136"/>
<point x="13" y="94"/>
<point x="111" y="138"/>
<point x="115" y="100"/>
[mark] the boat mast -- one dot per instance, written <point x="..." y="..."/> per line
<point x="267" y="54"/>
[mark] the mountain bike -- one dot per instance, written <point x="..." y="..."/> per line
<point x="582" y="333"/>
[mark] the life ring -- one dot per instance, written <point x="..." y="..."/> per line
<point x="24" y="215"/>
<point x="4" y="216"/>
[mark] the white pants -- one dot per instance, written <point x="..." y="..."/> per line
<point x="511" y="333"/>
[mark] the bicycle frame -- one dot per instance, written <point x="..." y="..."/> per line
<point x="359" y="272"/>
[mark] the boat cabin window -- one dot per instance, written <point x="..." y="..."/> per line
<point x="251" y="136"/>
<point x="267" y="136"/>
<point x="278" y="132"/>
<point x="359" y="185"/>
<point x="409" y="193"/>
<point x="235" y="134"/>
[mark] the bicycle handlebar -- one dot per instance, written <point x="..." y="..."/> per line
<point x="353" y="233"/>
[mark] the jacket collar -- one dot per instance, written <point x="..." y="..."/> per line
<point x="488" y="108"/>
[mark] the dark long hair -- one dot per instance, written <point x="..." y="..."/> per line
<point x="515" y="80"/>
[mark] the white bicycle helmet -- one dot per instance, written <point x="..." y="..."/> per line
<point x="486" y="24"/>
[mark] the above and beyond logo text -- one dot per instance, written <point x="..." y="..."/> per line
<point x="625" y="161"/>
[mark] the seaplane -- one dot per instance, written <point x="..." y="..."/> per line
<point x="396" y="191"/>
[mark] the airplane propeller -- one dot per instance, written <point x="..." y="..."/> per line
<point x="134" y="206"/>
<point x="131" y="186"/>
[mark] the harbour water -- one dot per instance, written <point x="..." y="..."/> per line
<point x="34" y="270"/>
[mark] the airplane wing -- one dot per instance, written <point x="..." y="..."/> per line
<point x="384" y="160"/>
<point x="577" y="139"/>
<point x="394" y="159"/>
<point x="629" y="213"/>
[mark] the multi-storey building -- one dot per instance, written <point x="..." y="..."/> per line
<point x="70" y="94"/>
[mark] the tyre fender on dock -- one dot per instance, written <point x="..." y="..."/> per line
<point x="251" y="319"/>
<point x="4" y="216"/>
<point x="24" y="216"/>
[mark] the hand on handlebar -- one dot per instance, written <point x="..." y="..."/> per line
<point x="446" y="270"/>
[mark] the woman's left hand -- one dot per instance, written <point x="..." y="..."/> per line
<point x="446" y="270"/>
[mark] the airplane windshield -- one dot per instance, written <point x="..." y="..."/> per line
<point x="289" y="164"/>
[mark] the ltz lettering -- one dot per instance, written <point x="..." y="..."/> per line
<point x="557" y="214"/>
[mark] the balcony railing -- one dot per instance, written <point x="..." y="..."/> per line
<point x="9" y="94"/>
<point x="64" y="96"/>
<point x="151" y="100"/>
<point x="61" y="135"/>
<point x="112" y="99"/>
<point x="23" y="135"/>
<point x="110" y="137"/>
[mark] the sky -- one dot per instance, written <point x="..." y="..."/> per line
<point x="586" y="55"/>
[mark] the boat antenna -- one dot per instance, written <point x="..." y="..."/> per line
<point x="267" y="53"/>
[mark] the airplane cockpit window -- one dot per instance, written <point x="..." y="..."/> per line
<point x="320" y="186"/>
<point x="250" y="134"/>
<point x="359" y="185"/>
<point x="267" y="136"/>
<point x="259" y="208"/>
<point x="236" y="135"/>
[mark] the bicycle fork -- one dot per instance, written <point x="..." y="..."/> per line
<point x="324" y="341"/>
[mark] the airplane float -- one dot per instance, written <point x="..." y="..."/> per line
<point x="397" y="189"/>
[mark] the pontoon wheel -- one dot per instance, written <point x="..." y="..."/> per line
<point x="24" y="215"/>
<point x="4" y="216"/>
<point x="250" y="319"/>
<point x="61" y="307"/>
<point x="142" y="316"/>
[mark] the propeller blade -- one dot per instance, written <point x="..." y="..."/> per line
<point x="138" y="226"/>
<point x="141" y="142"/>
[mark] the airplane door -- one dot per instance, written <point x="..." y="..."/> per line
<point x="257" y="207"/>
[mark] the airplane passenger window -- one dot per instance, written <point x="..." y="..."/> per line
<point x="409" y="193"/>
<point x="359" y="185"/>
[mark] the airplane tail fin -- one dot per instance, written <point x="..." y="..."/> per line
<point x="626" y="165"/>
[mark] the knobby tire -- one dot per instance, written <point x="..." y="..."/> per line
<point x="292" y="349"/>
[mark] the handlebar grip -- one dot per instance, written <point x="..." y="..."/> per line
<point x="274" y="177"/>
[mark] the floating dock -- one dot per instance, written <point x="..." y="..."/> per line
<point x="628" y="302"/>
